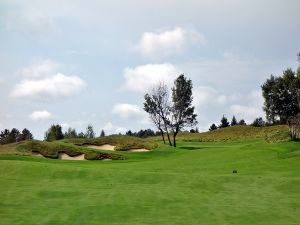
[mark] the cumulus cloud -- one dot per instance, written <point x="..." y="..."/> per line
<point x="168" y="42"/>
<point x="111" y="128"/>
<point x="128" y="111"/>
<point x="53" y="87"/>
<point x="251" y="109"/>
<point x="42" y="81"/>
<point x="40" y="69"/>
<point x="40" y="116"/>
<point x="143" y="78"/>
<point x="208" y="96"/>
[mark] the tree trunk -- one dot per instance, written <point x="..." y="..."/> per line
<point x="163" y="136"/>
<point x="174" y="140"/>
<point x="169" y="138"/>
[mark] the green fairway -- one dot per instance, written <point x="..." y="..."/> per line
<point x="193" y="184"/>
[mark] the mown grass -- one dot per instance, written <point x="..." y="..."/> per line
<point x="193" y="184"/>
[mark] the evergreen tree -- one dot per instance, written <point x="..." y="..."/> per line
<point x="54" y="133"/>
<point x="102" y="134"/>
<point x="213" y="127"/>
<point x="233" y="121"/>
<point x="242" y="122"/>
<point x="258" y="122"/>
<point x="224" y="122"/>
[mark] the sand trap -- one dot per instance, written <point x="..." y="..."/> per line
<point x="37" y="154"/>
<point x="64" y="156"/>
<point x="139" y="150"/>
<point x="102" y="147"/>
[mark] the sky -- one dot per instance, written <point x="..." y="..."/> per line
<point x="80" y="62"/>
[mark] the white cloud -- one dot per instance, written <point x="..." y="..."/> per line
<point x="121" y="130"/>
<point x="252" y="109"/>
<point x="111" y="128"/>
<point x="145" y="77"/>
<point x="128" y="111"/>
<point x="169" y="42"/>
<point x="108" y="126"/>
<point x="40" y="115"/>
<point x="53" y="87"/>
<point x="40" y="69"/>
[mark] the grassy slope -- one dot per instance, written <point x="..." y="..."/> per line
<point x="191" y="185"/>
<point x="271" y="134"/>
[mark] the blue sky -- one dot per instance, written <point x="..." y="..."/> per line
<point x="86" y="62"/>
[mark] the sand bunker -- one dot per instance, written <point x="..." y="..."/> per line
<point x="64" y="156"/>
<point x="139" y="150"/>
<point x="102" y="147"/>
<point x="37" y="154"/>
<point x="112" y="148"/>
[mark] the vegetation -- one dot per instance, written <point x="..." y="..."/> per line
<point x="258" y="122"/>
<point x="279" y="133"/>
<point x="195" y="180"/>
<point x="122" y="143"/>
<point x="90" y="132"/>
<point x="157" y="106"/>
<point x="224" y="122"/>
<point x="53" y="149"/>
<point x="143" y="133"/>
<point x="171" y="117"/>
<point x="14" y="135"/>
<point x="282" y="96"/>
<point x="182" y="111"/>
<point x="54" y="133"/>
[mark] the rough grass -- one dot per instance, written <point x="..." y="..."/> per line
<point x="235" y="133"/>
<point x="122" y="143"/>
<point x="193" y="184"/>
<point x="52" y="150"/>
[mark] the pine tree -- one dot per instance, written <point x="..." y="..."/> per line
<point x="102" y="134"/>
<point x="233" y="121"/>
<point x="224" y="122"/>
<point x="213" y="127"/>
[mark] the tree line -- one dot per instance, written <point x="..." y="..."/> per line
<point x="171" y="116"/>
<point x="14" y="135"/>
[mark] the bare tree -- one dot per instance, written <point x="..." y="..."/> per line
<point x="157" y="105"/>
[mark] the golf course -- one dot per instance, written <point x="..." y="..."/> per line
<point x="232" y="180"/>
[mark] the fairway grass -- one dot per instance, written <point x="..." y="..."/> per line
<point x="193" y="184"/>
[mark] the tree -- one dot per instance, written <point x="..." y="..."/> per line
<point x="224" y="122"/>
<point x="157" y="106"/>
<point x="213" y="127"/>
<point x="71" y="133"/>
<point x="54" y="133"/>
<point x="90" y="132"/>
<point x="102" y="134"/>
<point x="27" y="135"/>
<point x="4" y="136"/>
<point x="294" y="127"/>
<point x="129" y="133"/>
<point x="182" y="111"/>
<point x="258" y="122"/>
<point x="242" y="122"/>
<point x="233" y="121"/>
<point x="81" y="135"/>
<point x="281" y="95"/>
